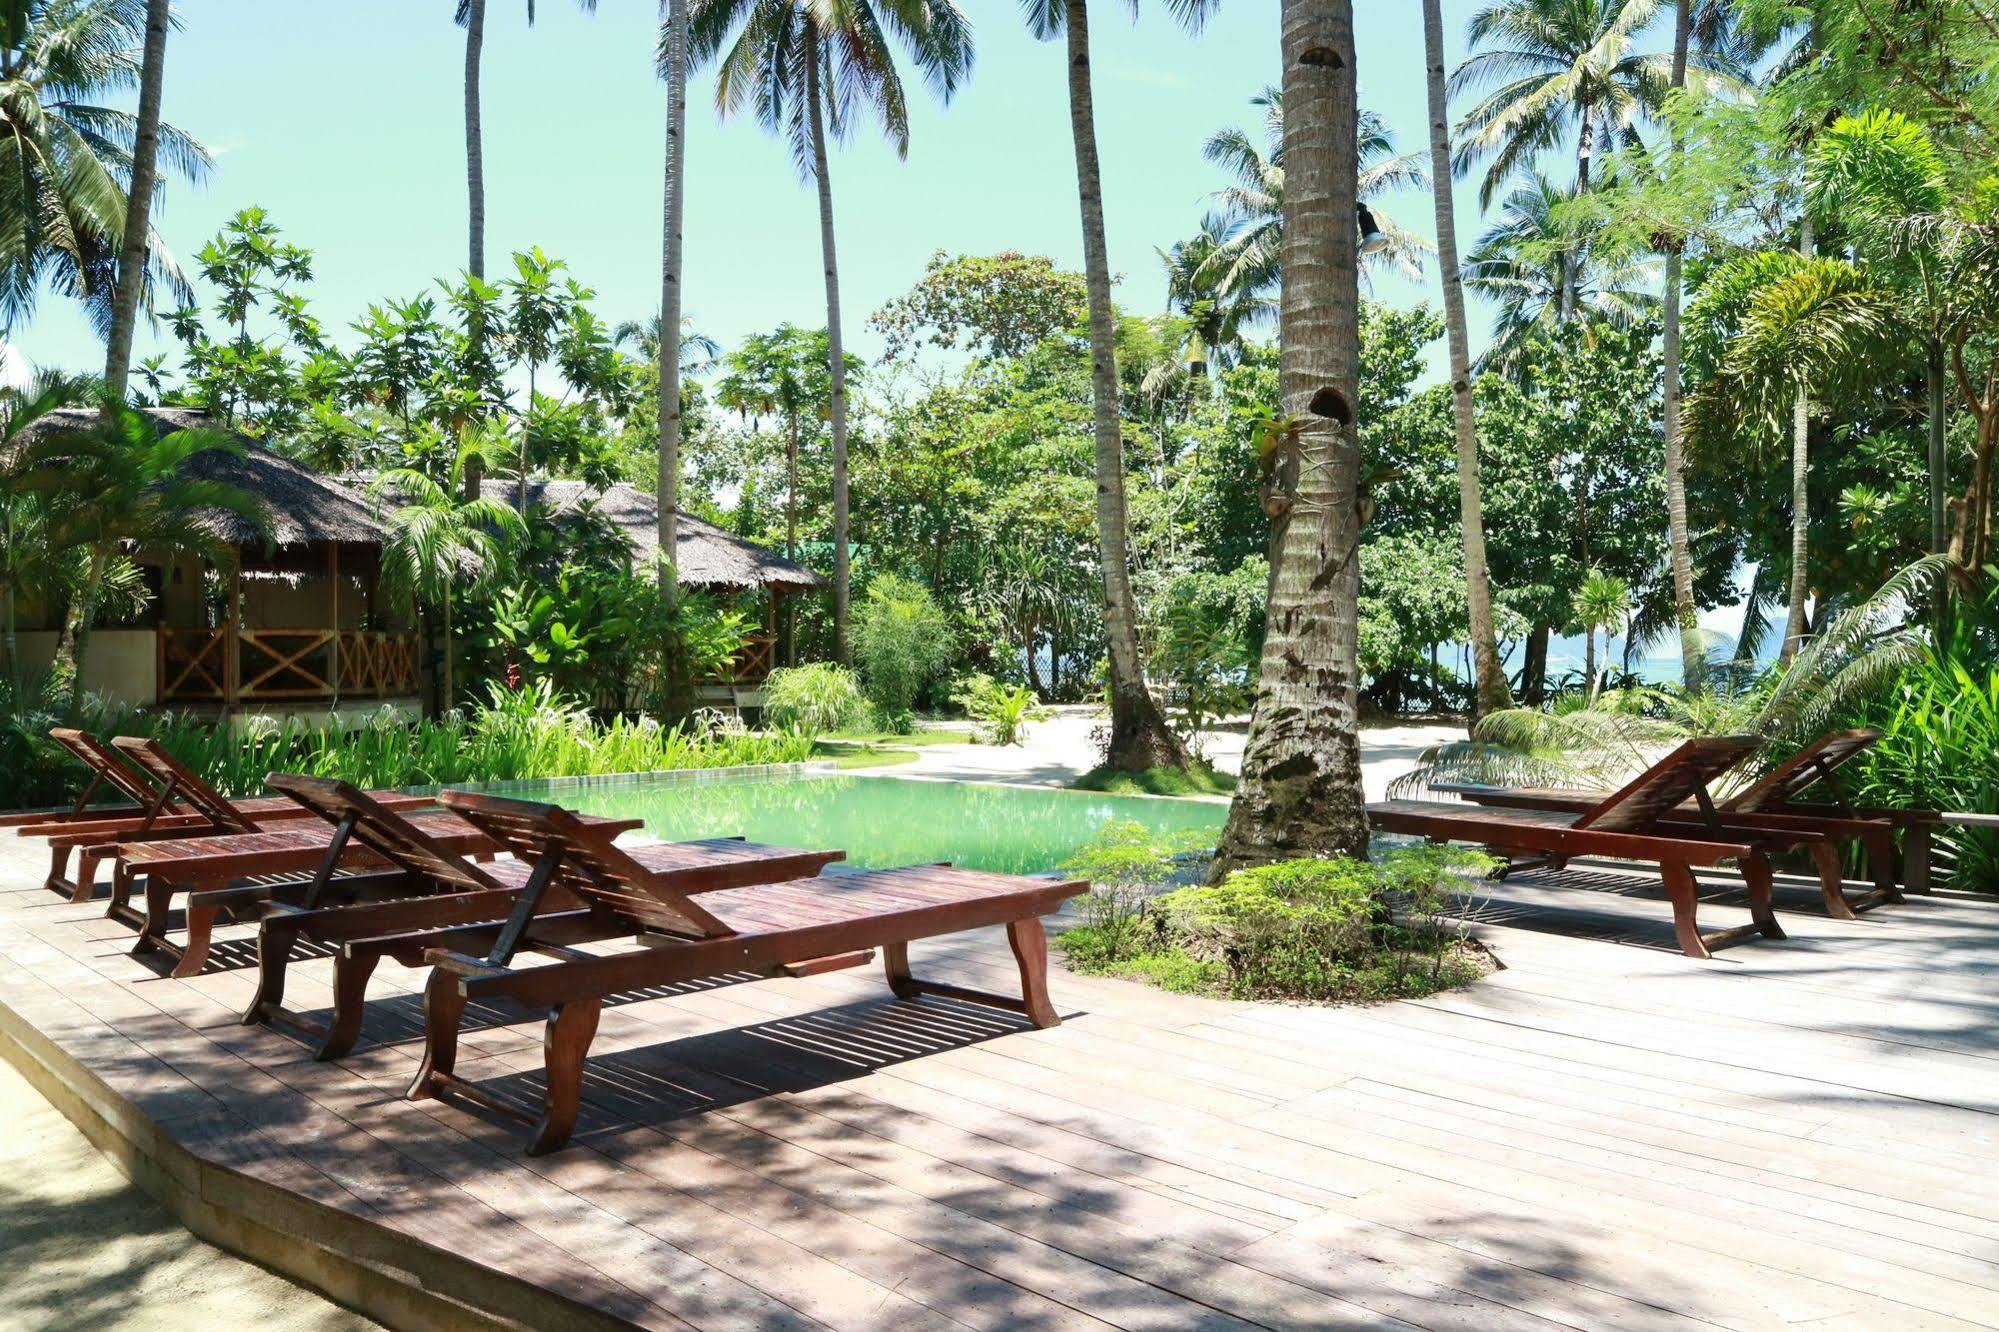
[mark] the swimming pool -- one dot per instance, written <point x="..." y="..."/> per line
<point x="884" y="821"/>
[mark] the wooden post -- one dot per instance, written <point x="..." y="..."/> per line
<point x="232" y="643"/>
<point x="333" y="581"/>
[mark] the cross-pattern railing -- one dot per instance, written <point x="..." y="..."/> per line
<point x="751" y="664"/>
<point x="229" y="665"/>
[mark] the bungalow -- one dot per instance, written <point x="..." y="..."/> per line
<point x="299" y="627"/>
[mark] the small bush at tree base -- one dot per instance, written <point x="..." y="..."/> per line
<point x="1322" y="929"/>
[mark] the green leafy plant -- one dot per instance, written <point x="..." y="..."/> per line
<point x="814" y="699"/>
<point x="902" y="642"/>
<point x="1003" y="710"/>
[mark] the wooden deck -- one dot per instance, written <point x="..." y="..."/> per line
<point x="1606" y="1134"/>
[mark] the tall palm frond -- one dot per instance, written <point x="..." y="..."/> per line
<point x="65" y="156"/>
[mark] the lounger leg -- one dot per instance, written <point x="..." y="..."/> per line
<point x="274" y="954"/>
<point x="159" y="900"/>
<point x="1881" y="858"/>
<point x="1030" y="950"/>
<point x="1757" y="874"/>
<point x="86" y="874"/>
<point x="350" y="996"/>
<point x="1831" y="875"/>
<point x="58" y="880"/>
<point x="200" y="932"/>
<point x="565" y="1041"/>
<point x="895" y="961"/>
<point x="121" y="894"/>
<point x="443" y="1006"/>
<point x="1685" y="897"/>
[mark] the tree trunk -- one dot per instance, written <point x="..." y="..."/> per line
<point x="1693" y="657"/>
<point x="1534" y="667"/>
<point x="1801" y="509"/>
<point x="10" y="647"/>
<point x="836" y="356"/>
<point x="1589" y="662"/>
<point x="1571" y="268"/>
<point x="1140" y="738"/>
<point x="450" y="655"/>
<point x="1300" y="789"/>
<point x="73" y="644"/>
<point x="1490" y="693"/>
<point x="138" y="205"/>
<point x="475" y="156"/>
<point x="791" y="491"/>
<point x="676" y="674"/>
<point x="1939" y="457"/>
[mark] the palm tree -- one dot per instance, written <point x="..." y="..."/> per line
<point x="471" y="16"/>
<point x="64" y="156"/>
<point x="131" y="272"/>
<point x="1140" y="737"/>
<point x="1490" y="693"/>
<point x="1534" y="258"/>
<point x="1602" y="602"/>
<point x="29" y="557"/>
<point x="675" y="674"/>
<point x="1693" y="659"/>
<point x="115" y="484"/>
<point x="698" y="351"/>
<point x="1219" y="316"/>
<point x="1563" y="66"/>
<point x="1253" y="206"/>
<point x="1300" y="789"/>
<point x="437" y="541"/>
<point x="800" y="63"/>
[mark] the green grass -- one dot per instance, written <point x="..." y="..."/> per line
<point x="847" y="754"/>
<point x="921" y="736"/>
<point x="1197" y="780"/>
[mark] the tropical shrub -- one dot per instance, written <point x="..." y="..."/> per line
<point x="1331" y="929"/>
<point x="902" y="641"/>
<point x="1002" y="710"/>
<point x="815" y="698"/>
<point x="526" y="734"/>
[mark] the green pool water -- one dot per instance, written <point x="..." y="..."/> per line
<point x="884" y="821"/>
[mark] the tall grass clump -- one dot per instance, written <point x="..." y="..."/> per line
<point x="519" y="735"/>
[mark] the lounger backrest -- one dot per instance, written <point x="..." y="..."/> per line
<point x="188" y="785"/>
<point x="1785" y="782"/>
<point x="105" y="762"/>
<point x="1667" y="784"/>
<point x="593" y="868"/>
<point x="382" y="830"/>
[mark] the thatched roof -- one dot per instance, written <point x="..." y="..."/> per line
<point x="708" y="557"/>
<point x="299" y="505"/>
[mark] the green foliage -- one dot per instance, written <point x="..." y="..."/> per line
<point x="1303" y="929"/>
<point x="814" y="699"/>
<point x="1195" y="779"/>
<point x="994" y="305"/>
<point x="902" y="642"/>
<point x="1003" y="710"/>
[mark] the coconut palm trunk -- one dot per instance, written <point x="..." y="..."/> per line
<point x="1795" y="627"/>
<point x="676" y="677"/>
<point x="1585" y="154"/>
<point x="1300" y="788"/>
<point x="1693" y="660"/>
<point x="1490" y="693"/>
<point x="138" y="203"/>
<point x="475" y="153"/>
<point x="1140" y="737"/>
<point x="836" y="357"/>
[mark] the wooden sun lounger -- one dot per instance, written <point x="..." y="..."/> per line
<point x="430" y="888"/>
<point x="236" y="871"/>
<point x="793" y="928"/>
<point x="171" y="801"/>
<point x="1767" y="806"/>
<point x="1639" y="822"/>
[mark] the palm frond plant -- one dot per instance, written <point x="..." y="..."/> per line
<point x="66" y="155"/>
<point x="439" y="541"/>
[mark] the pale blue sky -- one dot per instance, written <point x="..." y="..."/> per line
<point x="345" y="121"/>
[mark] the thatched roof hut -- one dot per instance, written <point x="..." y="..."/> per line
<point x="708" y="557"/>
<point x="300" y="506"/>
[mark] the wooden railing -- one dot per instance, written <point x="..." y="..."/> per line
<point x="229" y="665"/>
<point x="751" y="664"/>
